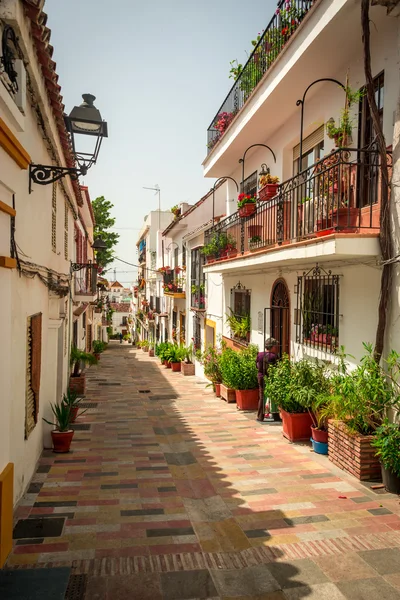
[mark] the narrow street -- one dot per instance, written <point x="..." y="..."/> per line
<point x="171" y="493"/>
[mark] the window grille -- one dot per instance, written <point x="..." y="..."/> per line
<point x="249" y="185"/>
<point x="240" y="313"/>
<point x="176" y="257"/>
<point x="66" y="231"/>
<point x="317" y="322"/>
<point x="33" y="369"/>
<point x="183" y="255"/>
<point x="54" y="218"/>
<point x="196" y="333"/>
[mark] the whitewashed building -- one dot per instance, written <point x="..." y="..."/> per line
<point x="307" y="269"/>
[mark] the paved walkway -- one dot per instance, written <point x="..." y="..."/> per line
<point x="171" y="493"/>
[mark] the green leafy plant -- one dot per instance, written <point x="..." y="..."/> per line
<point x="211" y="363"/>
<point x="188" y="354"/>
<point x="255" y="239"/>
<point x="238" y="369"/>
<point x="103" y="224"/>
<point x="240" y="325"/>
<point x="278" y="386"/>
<point x="127" y="338"/>
<point x="98" y="346"/>
<point x="244" y="199"/>
<point x="72" y="400"/>
<point x="309" y="387"/>
<point x="343" y="131"/>
<point x="387" y="444"/>
<point x="219" y="242"/>
<point x="62" y="417"/>
<point x="175" y="353"/>
<point x="79" y="358"/>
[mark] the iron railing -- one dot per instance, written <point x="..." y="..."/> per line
<point x="339" y="193"/>
<point x="197" y="296"/>
<point x="85" y="279"/>
<point x="268" y="46"/>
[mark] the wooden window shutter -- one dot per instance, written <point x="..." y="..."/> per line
<point x="315" y="138"/>
<point x="36" y="359"/>
<point x="54" y="218"/>
<point x="66" y="230"/>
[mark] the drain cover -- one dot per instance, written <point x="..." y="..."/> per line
<point x="76" y="587"/>
<point x="88" y="404"/>
<point x="144" y="391"/>
<point x="163" y="397"/>
<point x="109" y="384"/>
<point x="80" y="426"/>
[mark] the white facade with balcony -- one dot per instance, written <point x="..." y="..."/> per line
<point x="307" y="265"/>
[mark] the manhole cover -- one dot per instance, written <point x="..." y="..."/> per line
<point x="144" y="391"/>
<point x="76" y="587"/>
<point x="109" y="384"/>
<point x="163" y="397"/>
<point x="80" y="426"/>
<point x="88" y="404"/>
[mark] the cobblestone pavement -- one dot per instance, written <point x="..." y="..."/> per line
<point x="171" y="493"/>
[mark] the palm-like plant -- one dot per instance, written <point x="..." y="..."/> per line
<point x="79" y="357"/>
<point x="62" y="417"/>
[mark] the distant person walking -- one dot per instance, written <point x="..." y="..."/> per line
<point x="120" y="338"/>
<point x="263" y="361"/>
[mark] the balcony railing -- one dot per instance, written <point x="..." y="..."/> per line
<point x="286" y="20"/>
<point x="85" y="279"/>
<point x="340" y="193"/>
<point x="197" y="296"/>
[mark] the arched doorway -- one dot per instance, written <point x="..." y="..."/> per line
<point x="280" y="316"/>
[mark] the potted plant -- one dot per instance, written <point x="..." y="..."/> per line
<point x="212" y="370"/>
<point x="174" y="356"/>
<point x="62" y="434"/>
<point x="281" y="391"/>
<point x="176" y="211"/>
<point x="342" y="133"/>
<point x="151" y="346"/>
<point x="243" y="378"/>
<point x="145" y="345"/>
<point x="240" y="326"/>
<point x="228" y="365"/>
<point x="246" y="205"/>
<point x="188" y="367"/>
<point x="358" y="404"/>
<point x="254" y="241"/>
<point x="72" y="400"/>
<point x="268" y="187"/>
<point x="387" y="445"/>
<point x="77" y="380"/>
<point x="98" y="347"/>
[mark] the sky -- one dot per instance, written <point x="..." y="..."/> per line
<point x="160" y="72"/>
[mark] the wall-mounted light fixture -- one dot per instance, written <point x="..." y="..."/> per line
<point x="82" y="120"/>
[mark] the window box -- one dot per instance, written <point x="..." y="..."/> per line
<point x="268" y="192"/>
<point x="353" y="452"/>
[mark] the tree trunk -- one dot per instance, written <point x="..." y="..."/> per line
<point x="385" y="236"/>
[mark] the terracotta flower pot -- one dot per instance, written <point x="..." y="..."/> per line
<point x="247" y="399"/>
<point x="254" y="230"/>
<point x="175" y="366"/>
<point x="78" y="384"/>
<point x="268" y="191"/>
<point x="391" y="481"/>
<point x="187" y="369"/>
<point x="345" y="218"/>
<point x="227" y="394"/>
<point x="165" y="363"/>
<point x="296" y="426"/>
<point x="62" y="440"/>
<point x="247" y="210"/>
<point x="151" y="351"/>
<point x="217" y="389"/>
<point x="168" y="365"/>
<point x="318" y="435"/>
<point x="97" y="355"/>
<point x="73" y="413"/>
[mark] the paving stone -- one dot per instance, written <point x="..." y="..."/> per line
<point x="368" y="589"/>
<point x="307" y="519"/>
<point x="302" y="572"/>
<point x="180" y="458"/>
<point x="344" y="567"/>
<point x="256" y="533"/>
<point x="119" y="486"/>
<point x="187" y="585"/>
<point x="142" y="512"/>
<point x="55" y="503"/>
<point x="380" y="511"/>
<point x="207" y="509"/>
<point x="171" y="531"/>
<point x="250" y="581"/>
<point x="324" y="591"/>
<point x="384" y="561"/>
<point x="38" y="528"/>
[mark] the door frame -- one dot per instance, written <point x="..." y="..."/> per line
<point x="282" y="308"/>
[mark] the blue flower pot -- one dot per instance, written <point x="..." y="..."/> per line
<point x="319" y="447"/>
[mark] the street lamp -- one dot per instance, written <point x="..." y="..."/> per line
<point x="242" y="160"/>
<point x="213" y="189"/>
<point x="99" y="244"/>
<point x="82" y="120"/>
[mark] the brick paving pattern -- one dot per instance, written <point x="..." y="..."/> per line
<point x="171" y="493"/>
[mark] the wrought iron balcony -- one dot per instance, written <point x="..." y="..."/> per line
<point x="286" y="20"/>
<point x="197" y="296"/>
<point x="339" y="193"/>
<point x="85" y="275"/>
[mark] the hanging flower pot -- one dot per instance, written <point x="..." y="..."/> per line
<point x="247" y="210"/>
<point x="269" y="191"/>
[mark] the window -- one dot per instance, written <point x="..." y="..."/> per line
<point x="317" y="320"/>
<point x="313" y="150"/>
<point x="124" y="320"/>
<point x="239" y="318"/>
<point x="158" y="304"/>
<point x="66" y="230"/>
<point x="33" y="370"/>
<point x="249" y="185"/>
<point x="196" y="333"/>
<point x="197" y="281"/>
<point x="54" y="218"/>
<point x="183" y="255"/>
<point x="366" y="132"/>
<point x="176" y="257"/>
